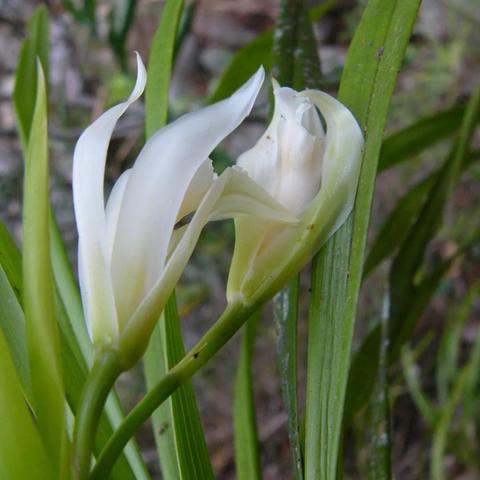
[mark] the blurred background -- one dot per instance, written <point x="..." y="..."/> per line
<point x="92" y="67"/>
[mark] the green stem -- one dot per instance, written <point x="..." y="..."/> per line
<point x="231" y="320"/>
<point x="100" y="380"/>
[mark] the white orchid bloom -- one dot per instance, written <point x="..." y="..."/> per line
<point x="131" y="254"/>
<point x="313" y="173"/>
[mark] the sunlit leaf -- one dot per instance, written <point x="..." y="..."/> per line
<point x="40" y="320"/>
<point x="369" y="75"/>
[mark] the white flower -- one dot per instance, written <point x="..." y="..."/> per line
<point x="312" y="172"/>
<point x="131" y="254"/>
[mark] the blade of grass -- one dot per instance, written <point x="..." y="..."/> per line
<point x="442" y="430"/>
<point x="13" y="326"/>
<point x="411" y="373"/>
<point x="369" y="75"/>
<point x="286" y="318"/>
<point x="399" y="222"/>
<point x="190" y="443"/>
<point x="449" y="349"/>
<point x="40" y="319"/>
<point x="154" y="367"/>
<point x="379" y="465"/>
<point x="295" y="63"/>
<point x="421" y="134"/>
<point x="362" y="375"/>
<point x="22" y="454"/>
<point x="403" y="274"/>
<point x="187" y="442"/>
<point x="247" y="455"/>
<point x="24" y="91"/>
<point x="160" y="67"/>
<point x="10" y="260"/>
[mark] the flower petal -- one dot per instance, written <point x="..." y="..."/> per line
<point x="287" y="160"/>
<point x="88" y="172"/>
<point x="342" y="158"/>
<point x="112" y="210"/>
<point x="157" y="187"/>
<point x="285" y="250"/>
<point x="245" y="198"/>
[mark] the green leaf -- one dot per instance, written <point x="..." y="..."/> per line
<point x="189" y="447"/>
<point x="449" y="349"/>
<point x="411" y="373"/>
<point x="403" y="274"/>
<point x="33" y="47"/>
<point x="363" y="373"/>
<point x="471" y="407"/>
<point x="22" y="454"/>
<point x="369" y="75"/>
<point x="12" y="324"/>
<point x="154" y="367"/>
<point x="412" y="140"/>
<point x="247" y="455"/>
<point x="379" y="447"/>
<point x="442" y="430"/>
<point x="178" y="431"/>
<point x="40" y="320"/>
<point x="399" y="222"/>
<point x="295" y="63"/>
<point x="10" y="260"/>
<point x="286" y="318"/>
<point x="160" y="67"/>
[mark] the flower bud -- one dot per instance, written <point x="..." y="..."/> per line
<point x="310" y="169"/>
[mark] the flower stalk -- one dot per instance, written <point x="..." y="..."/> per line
<point x="232" y="319"/>
<point x="102" y="376"/>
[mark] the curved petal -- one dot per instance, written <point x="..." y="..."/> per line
<point x="287" y="160"/>
<point x="233" y="188"/>
<point x="342" y="158"/>
<point x="156" y="189"/>
<point x="112" y="210"/>
<point x="88" y="172"/>
<point x="285" y="250"/>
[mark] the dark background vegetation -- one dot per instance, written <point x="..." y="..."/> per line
<point x="441" y="68"/>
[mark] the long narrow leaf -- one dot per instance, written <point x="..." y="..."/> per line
<point x="421" y="134"/>
<point x="33" y="47"/>
<point x="22" y="454"/>
<point x="10" y="260"/>
<point x="247" y="458"/>
<point x="363" y="372"/>
<point x="403" y="274"/>
<point x="295" y="63"/>
<point x="40" y="319"/>
<point x="379" y="465"/>
<point x="12" y="324"/>
<point x="369" y="76"/>
<point x="448" y="355"/>
<point x="191" y="447"/>
<point x="160" y="67"/>
<point x="286" y="318"/>
<point x="179" y="435"/>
